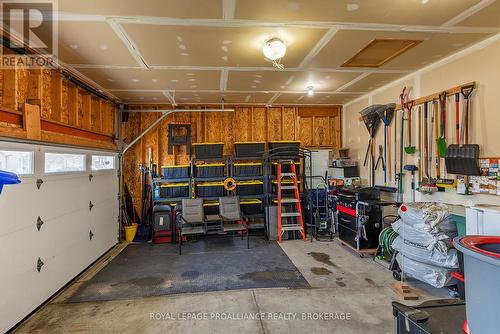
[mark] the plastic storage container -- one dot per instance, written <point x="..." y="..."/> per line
<point x="175" y="171"/>
<point x="249" y="149"/>
<point x="174" y="190"/>
<point x="210" y="189"/>
<point x="8" y="178"/>
<point x="211" y="207"/>
<point x="482" y="270"/>
<point x="251" y="206"/>
<point x="208" y="150"/>
<point x="460" y="222"/>
<point x="285" y="149"/>
<point x="210" y="170"/>
<point x="247" y="188"/>
<point x="247" y="169"/>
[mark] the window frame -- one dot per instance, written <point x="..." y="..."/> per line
<point x="67" y="152"/>
<point x="11" y="148"/>
<point x="91" y="170"/>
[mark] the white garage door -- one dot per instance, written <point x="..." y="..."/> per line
<point x="51" y="231"/>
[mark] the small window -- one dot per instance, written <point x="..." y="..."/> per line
<point x="103" y="162"/>
<point x="63" y="163"/>
<point x="19" y="162"/>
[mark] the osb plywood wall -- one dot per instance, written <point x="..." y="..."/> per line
<point x="313" y="126"/>
<point x="59" y="110"/>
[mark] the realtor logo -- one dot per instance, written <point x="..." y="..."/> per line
<point x="29" y="31"/>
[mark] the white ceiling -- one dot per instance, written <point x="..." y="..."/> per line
<point x="200" y="51"/>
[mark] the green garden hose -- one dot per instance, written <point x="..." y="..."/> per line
<point x="385" y="238"/>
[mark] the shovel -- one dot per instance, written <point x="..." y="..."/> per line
<point x="441" y="141"/>
<point x="410" y="149"/>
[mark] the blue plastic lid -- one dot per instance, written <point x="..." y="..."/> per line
<point x="8" y="178"/>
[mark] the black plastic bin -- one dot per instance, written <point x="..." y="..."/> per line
<point x="211" y="207"/>
<point x="174" y="190"/>
<point x="249" y="149"/>
<point x="246" y="169"/>
<point x="208" y="150"/>
<point x="251" y="206"/>
<point x="247" y="188"/>
<point x="175" y="171"/>
<point x="284" y="149"/>
<point x="210" y="189"/>
<point x="286" y="167"/>
<point x="210" y="170"/>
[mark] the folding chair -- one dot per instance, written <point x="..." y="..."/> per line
<point x="231" y="216"/>
<point x="192" y="221"/>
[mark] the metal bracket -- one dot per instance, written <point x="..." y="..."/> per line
<point x="39" y="183"/>
<point x="91" y="235"/>
<point x="39" y="264"/>
<point x="39" y="223"/>
<point x="91" y="177"/>
<point x="91" y="205"/>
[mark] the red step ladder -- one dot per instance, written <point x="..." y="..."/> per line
<point x="295" y="225"/>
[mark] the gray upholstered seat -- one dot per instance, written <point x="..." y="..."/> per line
<point x="230" y="214"/>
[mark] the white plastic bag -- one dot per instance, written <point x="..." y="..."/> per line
<point x="435" y="276"/>
<point x="423" y="255"/>
<point x="439" y="241"/>
<point x="431" y="217"/>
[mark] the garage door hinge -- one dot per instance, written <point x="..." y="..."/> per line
<point x="91" y="205"/>
<point x="39" y="223"/>
<point x="91" y="177"/>
<point x="91" y="235"/>
<point x="39" y="183"/>
<point x="39" y="264"/>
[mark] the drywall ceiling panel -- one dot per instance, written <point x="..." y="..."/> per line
<point x="284" y="81"/>
<point x="142" y="97"/>
<point x="154" y="79"/>
<point x="216" y="46"/>
<point x="235" y="98"/>
<point x="92" y="43"/>
<point x="293" y="98"/>
<point x="346" y="44"/>
<point x="374" y="11"/>
<point x="177" y="8"/>
<point x="373" y="81"/>
<point x="487" y="17"/>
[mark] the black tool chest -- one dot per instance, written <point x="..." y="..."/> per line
<point x="352" y="230"/>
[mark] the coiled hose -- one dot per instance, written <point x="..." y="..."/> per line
<point x="385" y="239"/>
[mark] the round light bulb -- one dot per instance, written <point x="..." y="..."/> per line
<point x="274" y="49"/>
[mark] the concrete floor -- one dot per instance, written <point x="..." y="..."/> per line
<point x="352" y="295"/>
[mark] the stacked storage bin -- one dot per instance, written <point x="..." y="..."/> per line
<point x="175" y="183"/>
<point x="210" y="189"/>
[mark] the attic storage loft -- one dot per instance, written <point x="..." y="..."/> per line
<point x="286" y="166"/>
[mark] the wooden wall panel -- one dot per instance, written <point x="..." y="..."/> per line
<point x="321" y="130"/>
<point x="259" y="124"/>
<point x="274" y="124"/>
<point x="289" y="124"/>
<point x="306" y="131"/>
<point x="241" y="120"/>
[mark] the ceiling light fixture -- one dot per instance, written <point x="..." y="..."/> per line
<point x="274" y="50"/>
<point x="310" y="90"/>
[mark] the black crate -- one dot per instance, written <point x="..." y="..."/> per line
<point x="246" y="169"/>
<point x="284" y="149"/>
<point x="247" y="188"/>
<point x="208" y="150"/>
<point x="251" y="206"/>
<point x="210" y="189"/>
<point x="286" y="167"/>
<point x="175" y="172"/>
<point x="210" y="170"/>
<point x="211" y="207"/>
<point x="174" y="190"/>
<point x="249" y="149"/>
<point x="284" y="183"/>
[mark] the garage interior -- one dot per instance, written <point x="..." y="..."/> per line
<point x="221" y="166"/>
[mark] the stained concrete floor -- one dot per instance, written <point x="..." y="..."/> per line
<point x="351" y="294"/>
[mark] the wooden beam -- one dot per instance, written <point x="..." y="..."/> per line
<point x="56" y="95"/>
<point x="72" y="104"/>
<point x="35" y="87"/>
<point x="31" y="121"/>
<point x="86" y="110"/>
<point x="9" y="99"/>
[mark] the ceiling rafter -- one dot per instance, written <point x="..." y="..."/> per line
<point x="327" y="37"/>
<point x="233" y="91"/>
<point x="468" y="12"/>
<point x="239" y="23"/>
<point x="352" y="82"/>
<point x="128" y="42"/>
